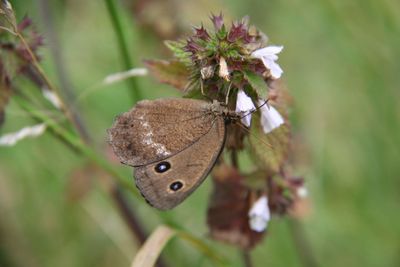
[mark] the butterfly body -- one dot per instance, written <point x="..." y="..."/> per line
<point x="172" y="144"/>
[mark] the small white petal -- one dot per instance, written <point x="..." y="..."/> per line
<point x="275" y="69"/>
<point x="268" y="55"/>
<point x="244" y="104"/>
<point x="52" y="97"/>
<point x="116" y="77"/>
<point x="12" y="138"/>
<point x="270" y="118"/>
<point x="267" y="51"/>
<point x="302" y="192"/>
<point x="259" y="215"/>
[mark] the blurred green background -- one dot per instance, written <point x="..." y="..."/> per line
<point x="342" y="67"/>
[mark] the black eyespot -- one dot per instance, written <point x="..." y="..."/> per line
<point x="175" y="186"/>
<point x="163" y="166"/>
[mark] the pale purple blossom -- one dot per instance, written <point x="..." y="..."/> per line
<point x="269" y="55"/>
<point x="259" y="215"/>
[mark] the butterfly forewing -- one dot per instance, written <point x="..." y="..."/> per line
<point x="154" y="130"/>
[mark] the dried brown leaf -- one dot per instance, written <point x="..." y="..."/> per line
<point x="227" y="215"/>
<point x="172" y="72"/>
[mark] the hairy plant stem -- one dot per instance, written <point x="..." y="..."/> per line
<point x="123" y="48"/>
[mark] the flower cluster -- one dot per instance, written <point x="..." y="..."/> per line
<point x="237" y="66"/>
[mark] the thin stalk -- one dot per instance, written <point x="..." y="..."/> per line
<point x="203" y="247"/>
<point x="35" y="63"/>
<point x="247" y="262"/>
<point x="65" y="82"/>
<point x="123" y="48"/>
<point x="302" y="244"/>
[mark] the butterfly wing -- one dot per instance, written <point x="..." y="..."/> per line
<point x="166" y="183"/>
<point x="157" y="129"/>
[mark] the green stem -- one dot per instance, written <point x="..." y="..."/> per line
<point x="203" y="247"/>
<point x="123" y="48"/>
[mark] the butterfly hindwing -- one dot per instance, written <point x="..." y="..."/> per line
<point x="166" y="183"/>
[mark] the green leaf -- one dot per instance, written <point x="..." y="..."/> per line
<point x="257" y="83"/>
<point x="171" y="72"/>
<point x="177" y="47"/>
<point x="269" y="150"/>
<point x="7" y="17"/>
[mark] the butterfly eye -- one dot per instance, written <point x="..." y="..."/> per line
<point x="175" y="186"/>
<point x="163" y="166"/>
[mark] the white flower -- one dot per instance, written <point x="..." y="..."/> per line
<point x="259" y="215"/>
<point x="270" y="117"/>
<point x="302" y="192"/>
<point x="268" y="55"/>
<point x="244" y="104"/>
<point x="12" y="138"/>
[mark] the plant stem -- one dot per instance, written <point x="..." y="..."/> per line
<point x="65" y="83"/>
<point x="302" y="244"/>
<point x="247" y="258"/>
<point x="123" y="48"/>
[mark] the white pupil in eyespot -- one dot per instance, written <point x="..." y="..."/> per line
<point x="163" y="167"/>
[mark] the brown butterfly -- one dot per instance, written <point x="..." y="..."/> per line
<point x="172" y="144"/>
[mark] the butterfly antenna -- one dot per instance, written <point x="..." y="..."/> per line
<point x="259" y="139"/>
<point x="257" y="108"/>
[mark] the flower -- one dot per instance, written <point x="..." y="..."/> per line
<point x="244" y="104"/>
<point x="302" y="192"/>
<point x="259" y="215"/>
<point x="268" y="55"/>
<point x="270" y="117"/>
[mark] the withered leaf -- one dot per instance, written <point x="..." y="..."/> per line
<point x="227" y="215"/>
<point x="171" y="72"/>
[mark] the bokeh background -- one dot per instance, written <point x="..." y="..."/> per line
<point x="342" y="67"/>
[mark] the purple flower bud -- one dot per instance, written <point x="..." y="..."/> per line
<point x="238" y="31"/>
<point x="202" y="33"/>
<point x="218" y="21"/>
